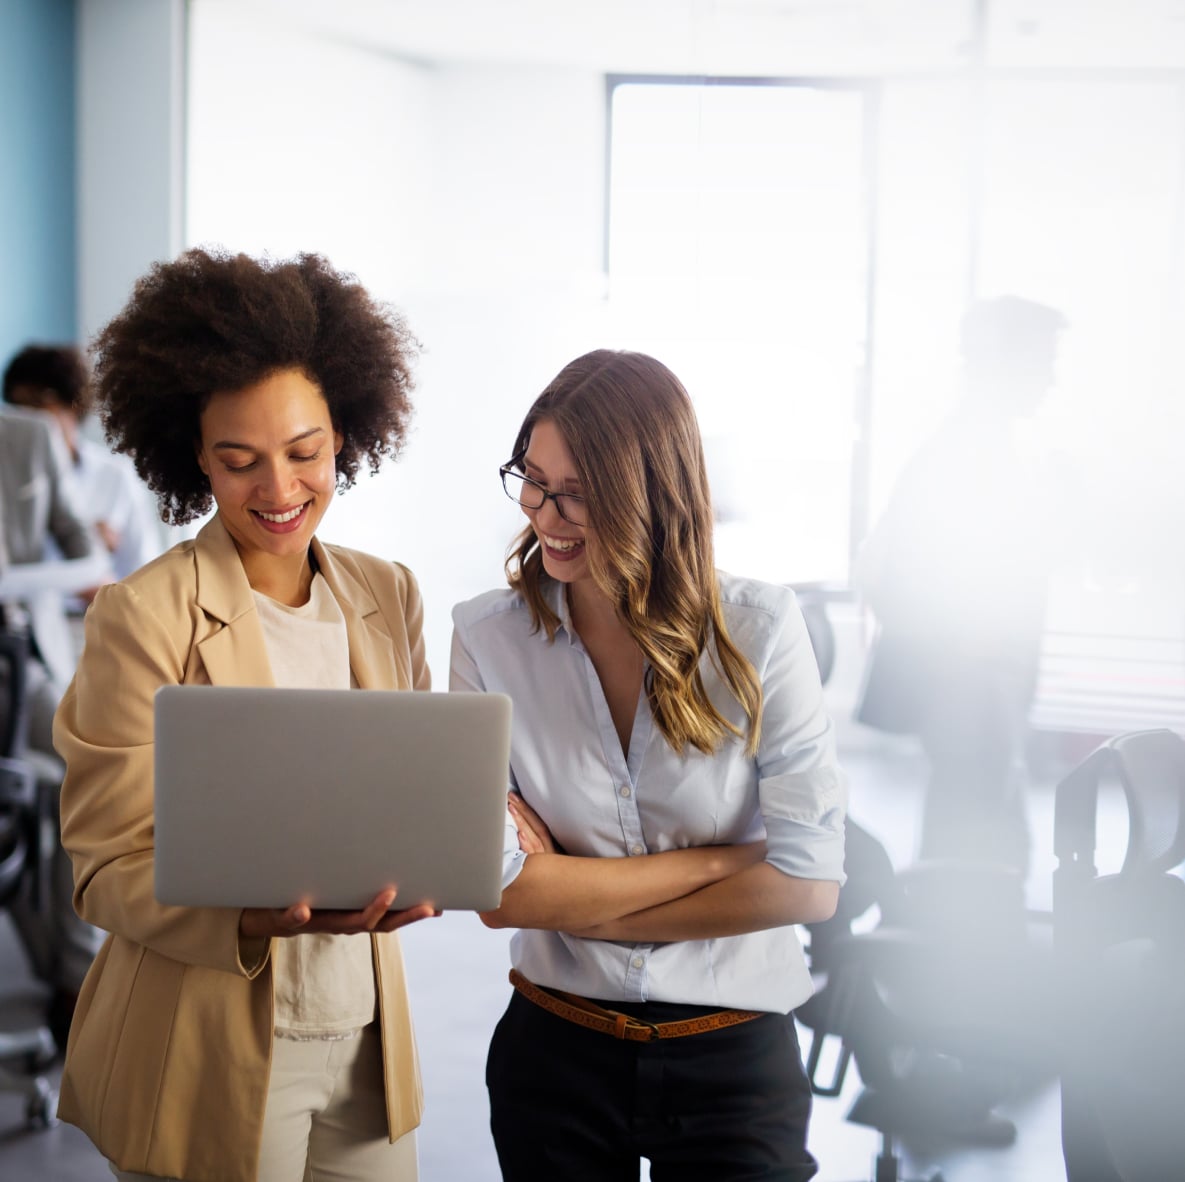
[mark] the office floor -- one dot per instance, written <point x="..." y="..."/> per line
<point x="457" y="971"/>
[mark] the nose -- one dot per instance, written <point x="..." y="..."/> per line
<point x="548" y="517"/>
<point x="277" y="482"/>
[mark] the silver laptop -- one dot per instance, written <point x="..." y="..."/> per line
<point x="265" y="797"/>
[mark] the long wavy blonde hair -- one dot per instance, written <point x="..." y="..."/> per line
<point x="635" y="442"/>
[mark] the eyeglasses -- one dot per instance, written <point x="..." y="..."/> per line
<point x="530" y="494"/>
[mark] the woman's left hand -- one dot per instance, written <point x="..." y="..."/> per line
<point x="533" y="835"/>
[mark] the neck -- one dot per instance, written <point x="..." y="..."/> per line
<point x="287" y="581"/>
<point x="594" y="613"/>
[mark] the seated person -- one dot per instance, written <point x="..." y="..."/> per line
<point x="40" y="509"/>
<point x="56" y="379"/>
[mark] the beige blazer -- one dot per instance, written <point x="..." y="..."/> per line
<point x="168" y="1058"/>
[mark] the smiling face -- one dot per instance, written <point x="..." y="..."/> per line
<point x="268" y="451"/>
<point x="548" y="461"/>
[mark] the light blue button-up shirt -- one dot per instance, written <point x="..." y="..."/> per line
<point x="566" y="761"/>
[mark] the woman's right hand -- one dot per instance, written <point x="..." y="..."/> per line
<point x="265" y="922"/>
<point x="534" y="837"/>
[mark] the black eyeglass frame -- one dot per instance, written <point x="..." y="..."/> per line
<point x="510" y="469"/>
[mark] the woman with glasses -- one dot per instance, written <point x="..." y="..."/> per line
<point x="675" y="808"/>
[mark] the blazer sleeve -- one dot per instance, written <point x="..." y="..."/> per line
<point x="104" y="732"/>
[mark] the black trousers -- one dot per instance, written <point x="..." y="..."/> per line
<point x="573" y="1105"/>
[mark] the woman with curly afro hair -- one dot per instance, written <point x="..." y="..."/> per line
<point x="212" y="1044"/>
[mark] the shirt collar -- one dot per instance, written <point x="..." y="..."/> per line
<point x="557" y="600"/>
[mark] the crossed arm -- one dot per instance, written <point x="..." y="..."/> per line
<point x="689" y="894"/>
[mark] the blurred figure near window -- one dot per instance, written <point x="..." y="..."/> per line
<point x="956" y="572"/>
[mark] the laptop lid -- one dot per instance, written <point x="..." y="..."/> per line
<point x="266" y="796"/>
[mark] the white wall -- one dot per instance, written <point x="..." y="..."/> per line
<point x="295" y="145"/>
<point x="130" y="95"/>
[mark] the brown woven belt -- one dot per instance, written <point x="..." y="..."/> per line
<point x="594" y="1017"/>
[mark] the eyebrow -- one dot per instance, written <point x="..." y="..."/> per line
<point x="231" y="445"/>
<point x="570" y="482"/>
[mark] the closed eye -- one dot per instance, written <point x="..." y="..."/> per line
<point x="297" y="459"/>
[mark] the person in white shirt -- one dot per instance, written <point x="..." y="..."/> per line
<point x="51" y="554"/>
<point x="55" y="379"/>
<point x="676" y="805"/>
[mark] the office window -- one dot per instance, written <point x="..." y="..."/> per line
<point x="738" y="254"/>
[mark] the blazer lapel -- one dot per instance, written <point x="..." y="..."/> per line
<point x="372" y="650"/>
<point x="234" y="654"/>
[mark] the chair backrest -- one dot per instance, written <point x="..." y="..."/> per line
<point x="1120" y="940"/>
<point x="17" y="786"/>
<point x="17" y="801"/>
<point x="813" y="599"/>
<point x="14" y="655"/>
<point x="1149" y="768"/>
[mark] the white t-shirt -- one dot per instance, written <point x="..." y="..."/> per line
<point x="324" y="984"/>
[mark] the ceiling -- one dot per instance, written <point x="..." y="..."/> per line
<point x="752" y="37"/>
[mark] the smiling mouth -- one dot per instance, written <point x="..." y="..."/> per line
<point x="280" y="518"/>
<point x="562" y="545"/>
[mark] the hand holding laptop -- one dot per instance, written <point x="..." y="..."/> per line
<point x="300" y="918"/>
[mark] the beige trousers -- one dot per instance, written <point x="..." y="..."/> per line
<point x="326" y="1116"/>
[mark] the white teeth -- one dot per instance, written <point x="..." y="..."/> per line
<point x="562" y="543"/>
<point x="280" y="518"/>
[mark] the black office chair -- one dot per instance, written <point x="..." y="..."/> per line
<point x="944" y="1004"/>
<point x="1120" y="946"/>
<point x="24" y="866"/>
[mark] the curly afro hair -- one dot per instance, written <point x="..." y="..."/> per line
<point x="211" y="322"/>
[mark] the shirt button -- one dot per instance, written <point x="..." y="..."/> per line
<point x="635" y="849"/>
<point x="637" y="962"/>
<point x="625" y="790"/>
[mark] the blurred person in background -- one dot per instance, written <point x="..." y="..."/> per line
<point x="55" y="379"/>
<point x="956" y="572"/>
<point x="52" y="553"/>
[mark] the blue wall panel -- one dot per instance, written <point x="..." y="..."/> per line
<point x="37" y="172"/>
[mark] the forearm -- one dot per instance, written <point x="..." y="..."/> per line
<point x="756" y="898"/>
<point x="558" y="892"/>
<point x="119" y="898"/>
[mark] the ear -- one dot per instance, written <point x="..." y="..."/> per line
<point x="338" y="440"/>
<point x="203" y="463"/>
